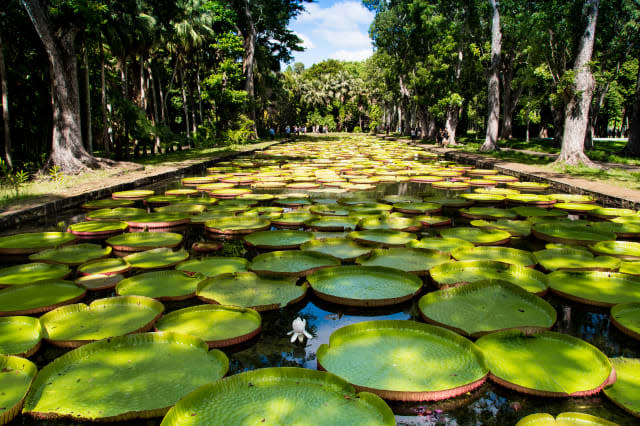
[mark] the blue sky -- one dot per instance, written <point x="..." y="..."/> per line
<point x="337" y="29"/>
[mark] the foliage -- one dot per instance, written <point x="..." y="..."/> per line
<point x="12" y="179"/>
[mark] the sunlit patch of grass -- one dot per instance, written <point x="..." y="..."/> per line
<point x="615" y="176"/>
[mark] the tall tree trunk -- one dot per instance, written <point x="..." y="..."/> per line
<point x="4" y="88"/>
<point x="87" y="102"/>
<point x="152" y="84"/>
<point x="633" y="145"/>
<point x="557" y="116"/>
<point x="199" y="94"/>
<point x="103" y="100"/>
<point x="143" y="94"/>
<point x="577" y="110"/>
<point x="67" y="149"/>
<point x="510" y="99"/>
<point x="185" y="107"/>
<point x="248" y="64"/>
<point x="453" y="117"/>
<point x="493" y="92"/>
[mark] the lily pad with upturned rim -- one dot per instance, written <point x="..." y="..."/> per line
<point x="126" y="377"/>
<point x="332" y="223"/>
<point x="487" y="213"/>
<point x="156" y="258"/>
<point x="34" y="242"/>
<point x="291" y="263"/>
<point x="76" y="325"/>
<point x="395" y="223"/>
<point x="564" y="419"/>
<point x="610" y="213"/>
<point x="412" y="362"/>
<point x="134" y="194"/>
<point x="595" y="288"/>
<point x="181" y="208"/>
<point x="99" y="282"/>
<point x="517" y="228"/>
<point x="160" y="285"/>
<point x="110" y="266"/>
<point x="527" y="212"/>
<point x="251" y="397"/>
<point x="478" y="236"/>
<point x="141" y="241"/>
<point x="485" y="307"/>
<point x="98" y="228"/>
<point x="625" y="392"/>
<point x="546" y="364"/>
<point x="344" y="249"/>
<point x="382" y="237"/>
<point x="16" y="376"/>
<point x="28" y="273"/>
<point x="508" y="255"/>
<point x="250" y="290"/>
<point x="157" y="220"/>
<point x="20" y="336"/>
<point x="625" y="250"/>
<point x="575" y="259"/>
<point x="278" y="240"/>
<point x="39" y="297"/>
<point x="237" y="225"/>
<point x="531" y="200"/>
<point x="631" y="268"/>
<point x="569" y="233"/>
<point x="72" y="255"/>
<point x="417" y="261"/>
<point x="576" y="208"/>
<point x="295" y="219"/>
<point x="214" y="266"/>
<point x="217" y="325"/>
<point x="626" y="317"/>
<point x="443" y="245"/>
<point x="114" y="215"/>
<point x="418" y="208"/>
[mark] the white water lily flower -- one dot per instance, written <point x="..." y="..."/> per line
<point x="299" y="331"/>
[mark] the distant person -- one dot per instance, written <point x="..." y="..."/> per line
<point x="413" y="134"/>
<point x="287" y="131"/>
<point x="445" y="138"/>
<point x="272" y="133"/>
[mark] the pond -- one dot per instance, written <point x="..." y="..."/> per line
<point x="490" y="404"/>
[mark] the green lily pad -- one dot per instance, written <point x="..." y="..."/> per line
<point x="72" y="255"/>
<point x="417" y="208"/>
<point x="478" y="236"/>
<point x="451" y="186"/>
<point x="34" y="242"/>
<point x="450" y="202"/>
<point x="16" y="376"/>
<point x="291" y="263"/>
<point x="249" y="290"/>
<point x="281" y="239"/>
<point x="450" y="365"/>
<point x="621" y="229"/>
<point x="181" y="192"/>
<point x="20" y="336"/>
<point x="126" y="377"/>
<point x="531" y="199"/>
<point x="487" y="213"/>
<point x="433" y="221"/>
<point x="517" y="228"/>
<point x="135" y="194"/>
<point x="109" y="266"/>
<point x="622" y="249"/>
<point x="160" y="285"/>
<point x="596" y="288"/>
<point x="292" y="218"/>
<point x="564" y="419"/>
<point x="393" y="199"/>
<point x="158" y="220"/>
<point x="625" y="392"/>
<point x="217" y="325"/>
<point x="39" y="297"/>
<point x="99" y="282"/>
<point x="329" y="210"/>
<point x="332" y="223"/>
<point x="156" y="258"/>
<point x="256" y="197"/>
<point x="395" y="223"/>
<point x="117" y="214"/>
<point x="496" y="191"/>
<point x="160" y="200"/>
<point x="610" y="213"/>
<point x="508" y="255"/>
<point x="202" y="218"/>
<point x="575" y="259"/>
<point x="573" y="198"/>
<point x="98" y="228"/>
<point x="108" y="203"/>
<point x="485" y="307"/>
<point x="480" y="197"/>
<point x="528" y="186"/>
<point x="187" y="208"/>
<point x="341" y="248"/>
<point x="214" y="266"/>
<point x="31" y="272"/>
<point x="417" y="261"/>
<point x="626" y="316"/>
<point x="545" y="364"/>
<point x="237" y="225"/>
<point x="526" y="211"/>
<point x="443" y="245"/>
<point x="569" y="234"/>
<point x="364" y="285"/>
<point x="264" y="394"/>
<point x="576" y="207"/>
<point x="292" y="201"/>
<point x="382" y="237"/>
<point x="141" y="241"/>
<point x="631" y="268"/>
<point x="75" y="325"/>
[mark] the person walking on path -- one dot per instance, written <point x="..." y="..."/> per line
<point x="272" y="133"/>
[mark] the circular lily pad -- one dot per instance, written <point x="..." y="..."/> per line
<point x="417" y="261"/>
<point x="528" y="186"/>
<point x="160" y="200"/>
<point x="39" y="297"/>
<point x="508" y="255"/>
<point x="136" y="194"/>
<point x="484" y="198"/>
<point x="237" y="225"/>
<point x="98" y="228"/>
<point x="34" y="242"/>
<point x="621" y="229"/>
<point x="622" y="249"/>
<point x="576" y="208"/>
<point x="595" y="288"/>
<point x="217" y="325"/>
<point x="575" y="259"/>
<point x="20" y="336"/>
<point x="443" y="245"/>
<point x="450" y="365"/>
<point x="626" y="317"/>
<point x="249" y="290"/>
<point x="527" y="212"/>
<point x="156" y="258"/>
<point x="382" y="237"/>
<point x="278" y="240"/>
<point x="341" y="248"/>
<point x="182" y="208"/>
<point x="227" y="193"/>
<point x="564" y="419"/>
<point x="569" y="234"/>
<point x="110" y="266"/>
<point x="108" y="203"/>
<point x="214" y="266"/>
<point x="72" y="255"/>
<point x="181" y="192"/>
<point x="160" y="285"/>
<point x="332" y="223"/>
<point x="329" y="210"/>
<point x="114" y="215"/>
<point x="478" y="236"/>
<point x="625" y="392"/>
<point x="291" y="219"/>
<point x="517" y="228"/>
<point x="256" y="396"/>
<point x="573" y="198"/>
<point x="31" y="272"/>
<point x="631" y="268"/>
<point x="487" y="213"/>
<point x="291" y="263"/>
<point x="158" y="220"/>
<point x="396" y="223"/>
<point x="76" y="325"/>
<point x="99" y="282"/>
<point x="451" y="186"/>
<point x="364" y="285"/>
<point x="485" y="307"/>
<point x="433" y="221"/>
<point x="545" y="364"/>
<point x="16" y="375"/>
<point x="125" y="377"/>
<point x="417" y="208"/>
<point x="450" y="202"/>
<point x="531" y="199"/>
<point x="610" y="213"/>
<point x="141" y="241"/>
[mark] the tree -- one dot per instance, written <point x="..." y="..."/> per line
<point x="493" y="92"/>
<point x="4" y="88"/>
<point x="577" y="109"/>
<point x="633" y="145"/>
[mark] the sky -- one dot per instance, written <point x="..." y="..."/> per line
<point x="336" y="29"/>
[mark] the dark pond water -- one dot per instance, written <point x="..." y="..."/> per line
<point x="488" y="405"/>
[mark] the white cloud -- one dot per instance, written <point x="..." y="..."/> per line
<point x="352" y="55"/>
<point x="306" y="41"/>
<point x="346" y="14"/>
<point x="346" y="39"/>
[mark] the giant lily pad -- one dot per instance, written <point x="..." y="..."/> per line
<point x="622" y="249"/>
<point x="217" y="325"/>
<point x="531" y="199"/>
<point x="16" y="375"/>
<point x="569" y="234"/>
<point x="281" y="239"/>
<point x="158" y="220"/>
<point x="98" y="228"/>
<point x="412" y="362"/>
<point x="434" y="221"/>
<point x="141" y="241"/>
<point x="621" y="229"/>
<point x="263" y="395"/>
<point x="134" y="194"/>
<point x="156" y="258"/>
<point x="626" y="316"/>
<point x="610" y="213"/>
<point x="72" y="255"/>
<point x="485" y="307"/>
<point x="517" y="228"/>
<point x="114" y="215"/>
<point x="20" y="336"/>
<point x="249" y="290"/>
<point x="291" y="263"/>
<point x="596" y="288"/>
<point x="294" y="219"/>
<point x="341" y="248"/>
<point x="214" y="266"/>
<point x="545" y="364"/>
<point x="443" y="245"/>
<point x="487" y="213"/>
<point x="625" y="392"/>
<point x="417" y="261"/>
<point x="527" y="212"/>
<point x="33" y="242"/>
<point x="528" y="186"/>
<point x="332" y="223"/>
<point x="237" y="225"/>
<point x="417" y="208"/>
<point x="382" y="237"/>
<point x="182" y="208"/>
<point x="395" y="223"/>
<point x="99" y="282"/>
<point x="508" y="255"/>
<point x="576" y="208"/>
<point x="31" y="272"/>
<point x="364" y="285"/>
<point x="109" y="266"/>
<point x="76" y="325"/>
<point x="575" y="259"/>
<point x="564" y="419"/>
<point x="478" y="236"/>
<point x="39" y="297"/>
<point x="161" y="285"/>
<point x="126" y="377"/>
